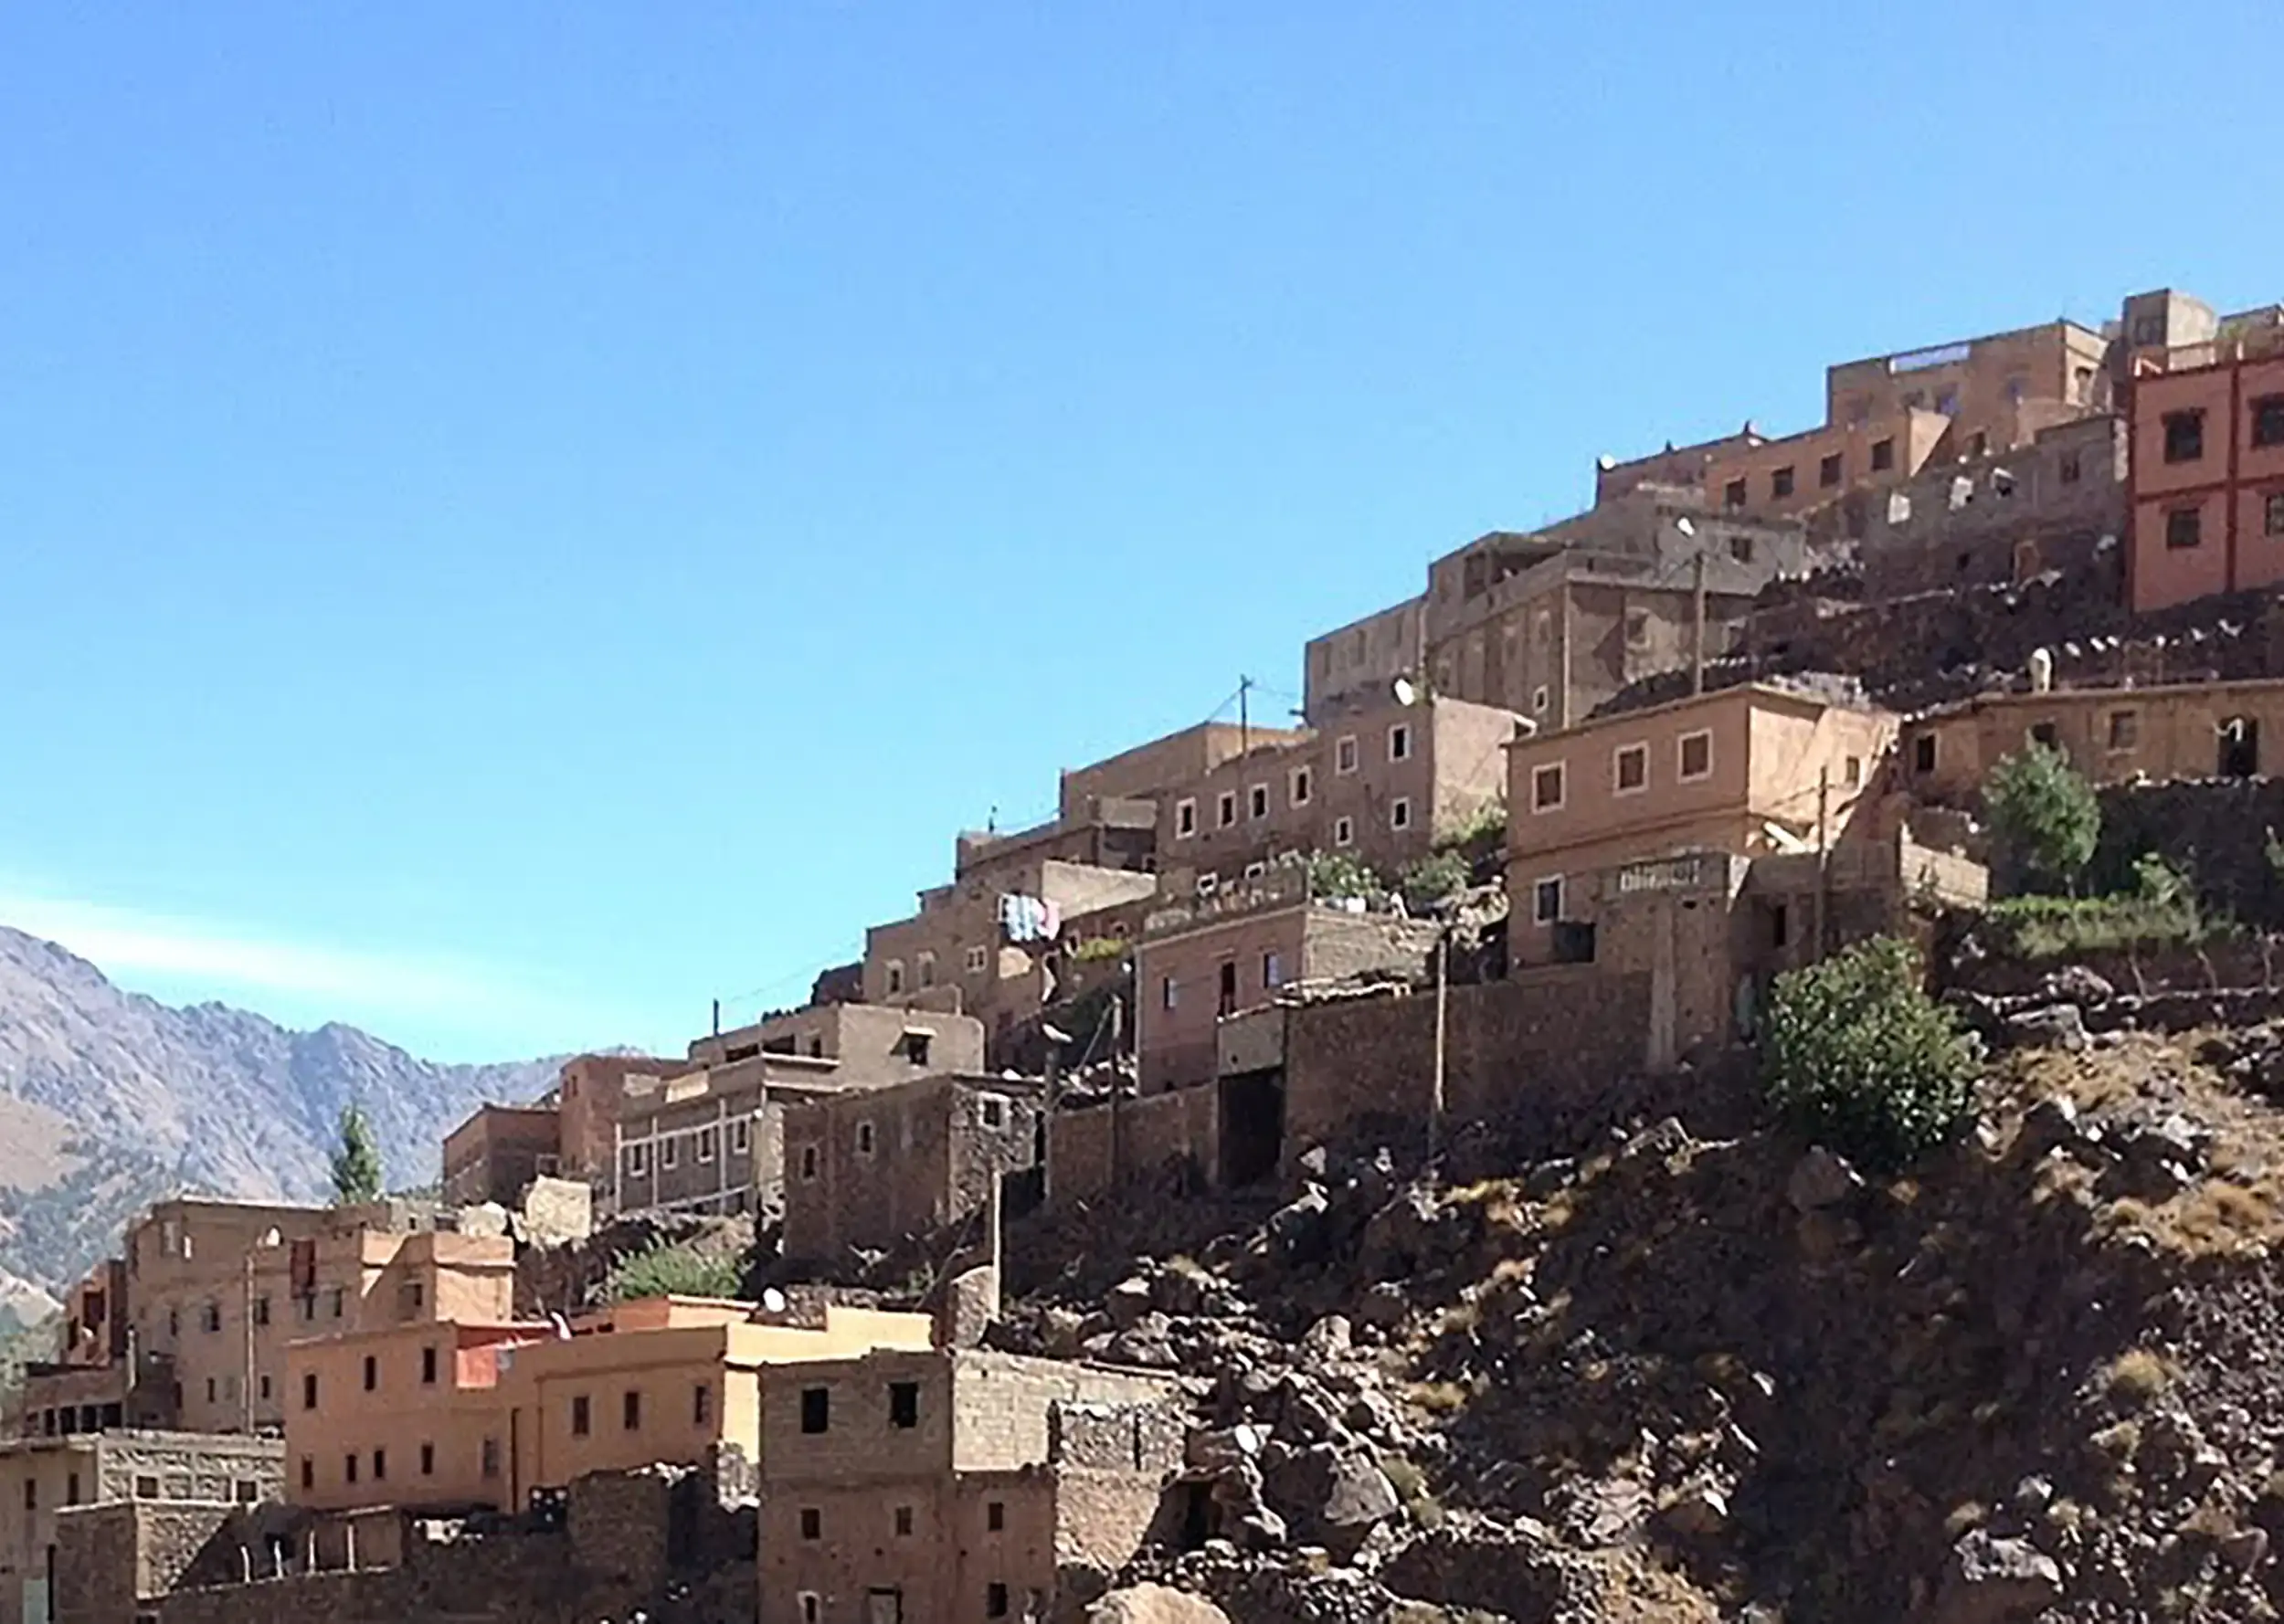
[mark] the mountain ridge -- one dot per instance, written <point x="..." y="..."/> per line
<point x="109" y="1099"/>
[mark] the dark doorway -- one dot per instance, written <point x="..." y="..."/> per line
<point x="1253" y="1127"/>
<point x="1196" y="1517"/>
<point x="1573" y="942"/>
<point x="1228" y="989"/>
<point x="2240" y="747"/>
<point x="883" y="1607"/>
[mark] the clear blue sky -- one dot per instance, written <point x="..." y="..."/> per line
<point x="520" y="518"/>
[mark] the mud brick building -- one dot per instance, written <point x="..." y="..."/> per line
<point x="710" y="1138"/>
<point x="870" y="1169"/>
<point x="1743" y="771"/>
<point x="496" y="1153"/>
<point x="42" y="1478"/>
<point x="2111" y="734"/>
<point x="954" y="1487"/>
<point x="452" y="1416"/>
<point x="1205" y="959"/>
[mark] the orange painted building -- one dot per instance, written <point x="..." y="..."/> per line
<point x="447" y="1416"/>
<point x="1745" y="771"/>
<point x="2206" y="485"/>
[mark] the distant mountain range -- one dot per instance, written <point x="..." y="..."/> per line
<point x="109" y="1099"/>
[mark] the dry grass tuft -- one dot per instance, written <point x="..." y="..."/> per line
<point x="2136" y="1376"/>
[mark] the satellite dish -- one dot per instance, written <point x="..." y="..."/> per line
<point x="773" y="1299"/>
<point x="1054" y="1034"/>
<point x="1684" y="525"/>
<point x="270" y="1237"/>
<point x="1404" y="691"/>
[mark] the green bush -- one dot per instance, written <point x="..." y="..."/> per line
<point x="1334" y="875"/>
<point x="1431" y="880"/>
<point x="666" y="1270"/>
<point x="1486" y="826"/>
<point x="1857" y="1056"/>
<point x="2045" y="814"/>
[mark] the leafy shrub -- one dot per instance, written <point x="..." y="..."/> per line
<point x="2045" y="814"/>
<point x="1486" y="826"/>
<point x="1857" y="1056"/>
<point x="666" y="1270"/>
<point x="1433" y="881"/>
<point x="1338" y="875"/>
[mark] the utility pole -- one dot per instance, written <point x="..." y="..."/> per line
<point x="1244" y="720"/>
<point x="1442" y="990"/>
<point x="1823" y="859"/>
<point x="1697" y="653"/>
<point x="247" y="1408"/>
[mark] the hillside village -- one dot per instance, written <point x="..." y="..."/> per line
<point x="1324" y="1172"/>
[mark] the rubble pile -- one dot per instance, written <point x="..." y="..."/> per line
<point x="1685" y="1378"/>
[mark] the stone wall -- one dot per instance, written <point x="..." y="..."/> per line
<point x="2218" y="828"/>
<point x="653" y="1540"/>
<point x="1538" y="1052"/>
<point x="1094" y="1150"/>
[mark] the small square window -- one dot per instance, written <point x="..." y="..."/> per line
<point x="812" y="1523"/>
<point x="349" y="1469"/>
<point x="1185" y="819"/>
<point x="1257" y="801"/>
<point x="639" y="1159"/>
<point x="1741" y="548"/>
<point x="1169" y="994"/>
<point x="1697" y="755"/>
<point x="903" y="1521"/>
<point x="582" y="1417"/>
<point x="1545" y="788"/>
<point x="1300" y="787"/>
<point x="1399" y="813"/>
<point x="147" y="1488"/>
<point x="1780" y="484"/>
<point x="427" y="1459"/>
<point x="995" y="1600"/>
<point x="2185" y="528"/>
<point x="1852" y="772"/>
<point x="1923" y="754"/>
<point x="1344" y="756"/>
<point x="372" y="1373"/>
<point x="809" y="1161"/>
<point x="2071" y="467"/>
<point x="2045" y="734"/>
<point x="1733" y="494"/>
<point x="1399" y="742"/>
<point x="994" y="1110"/>
<point x="1344" y="831"/>
<point x="1883" y="456"/>
<point x="816" y="1410"/>
<point x="308" y="1391"/>
<point x="670" y="1151"/>
<point x="1631" y="766"/>
<point x="1545" y="900"/>
<point x="995" y="1515"/>
<point x="2184" y="436"/>
<point x="706" y="1144"/>
<point x="978" y="960"/>
<point x="2267" y="420"/>
<point x="308" y="1476"/>
<point x="333" y="1301"/>
<point x="702" y="1404"/>
<point x="1637" y="629"/>
<point x="427" y="1367"/>
<point x="895" y="976"/>
<point x="380" y="1465"/>
<point x="864" y="1139"/>
<point x="925" y="963"/>
<point x="903" y="1404"/>
<point x="491" y="1457"/>
<point x="1828" y="471"/>
<point x="630" y="1411"/>
<point x="261" y="1311"/>
<point x="1272" y="970"/>
<point x="1225" y="808"/>
<point x="2125" y="729"/>
<point x="2273" y="513"/>
<point x="1255" y="870"/>
<point x="741" y="1130"/>
<point x="1540" y="699"/>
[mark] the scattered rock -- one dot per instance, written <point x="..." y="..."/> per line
<point x="1821" y="1179"/>
<point x="1993" y="1579"/>
<point x="1154" y="1604"/>
<point x="2057" y="1025"/>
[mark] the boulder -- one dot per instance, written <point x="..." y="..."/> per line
<point x="1128" y="1301"/>
<point x="1992" y="1580"/>
<point x="1821" y="1179"/>
<point x="1698" y="1512"/>
<point x="1154" y="1604"/>
<point x="1385" y="1306"/>
<point x="2057" y="1026"/>
<point x="2076" y="983"/>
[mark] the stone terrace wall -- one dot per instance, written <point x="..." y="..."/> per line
<point x="1089" y="1152"/>
<point x="1540" y="1055"/>
<point x="1919" y="651"/>
<point x="2218" y="828"/>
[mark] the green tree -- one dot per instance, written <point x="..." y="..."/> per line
<point x="2045" y="812"/>
<point x="1434" y="879"/>
<point x="1857" y="1057"/>
<point x="358" y="1164"/>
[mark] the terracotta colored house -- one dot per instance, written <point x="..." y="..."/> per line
<point x="1741" y="771"/>
<point x="2206" y="481"/>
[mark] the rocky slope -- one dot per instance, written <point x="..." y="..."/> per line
<point x="109" y="1098"/>
<point x="1695" y="1371"/>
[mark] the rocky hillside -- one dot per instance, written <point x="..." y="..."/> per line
<point x="109" y="1098"/>
<point x="1695" y="1370"/>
